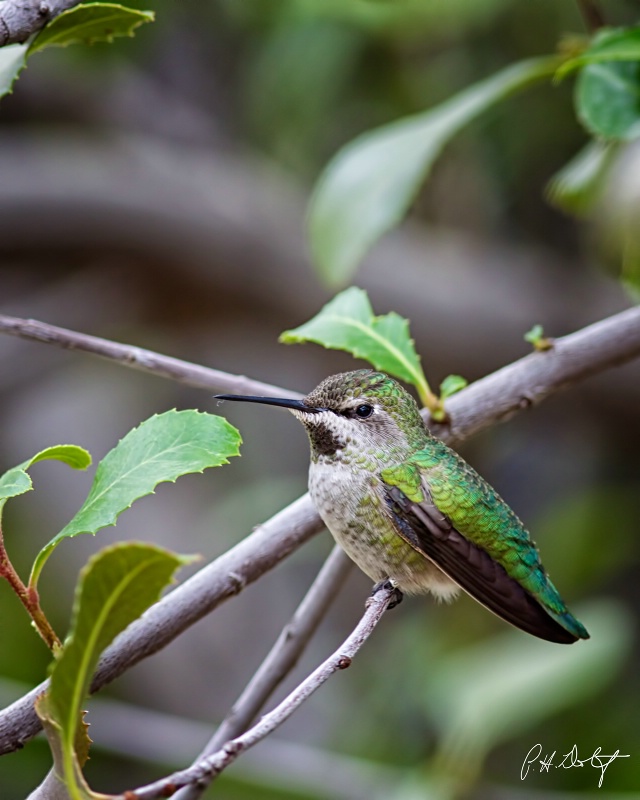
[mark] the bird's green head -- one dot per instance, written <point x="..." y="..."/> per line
<point x="355" y="411"/>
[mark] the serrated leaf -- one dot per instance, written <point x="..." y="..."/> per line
<point x="348" y="323"/>
<point x="487" y="693"/>
<point x="579" y="184"/>
<point x="13" y="59"/>
<point x="16" y="481"/>
<point x="370" y="184"/>
<point x="451" y="385"/>
<point x="90" y="23"/>
<point x="115" y="588"/>
<point x="620" y="44"/>
<point x="607" y="91"/>
<point x="86" y="23"/>
<point x="160" y="449"/>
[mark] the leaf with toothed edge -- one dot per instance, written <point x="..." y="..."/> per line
<point x="90" y="23"/>
<point x="115" y="588"/>
<point x="160" y="449"/>
<point x="348" y="323"/>
<point x="16" y="481"/>
<point x="87" y="23"/>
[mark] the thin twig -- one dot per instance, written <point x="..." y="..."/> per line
<point x="281" y="659"/>
<point x="210" y="767"/>
<point x="490" y="400"/>
<point x="138" y="358"/>
<point x="21" y="18"/>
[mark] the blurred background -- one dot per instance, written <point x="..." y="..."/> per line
<point x="153" y="191"/>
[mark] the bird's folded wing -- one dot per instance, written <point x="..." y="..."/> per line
<point x="432" y="533"/>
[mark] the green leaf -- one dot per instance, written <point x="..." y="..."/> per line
<point x="16" y="480"/>
<point x="115" y="588"/>
<point x="13" y="59"/>
<point x="370" y="184"/>
<point x="85" y="24"/>
<point x="488" y="693"/>
<point x="451" y="385"/>
<point x="607" y="94"/>
<point x="348" y="323"/>
<point x="620" y="44"/>
<point x="579" y="184"/>
<point x="161" y="449"/>
<point x="89" y="23"/>
<point x="537" y="338"/>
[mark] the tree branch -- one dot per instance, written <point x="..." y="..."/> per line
<point x="281" y="659"/>
<point x="138" y="358"/>
<point x="210" y="767"/>
<point x="21" y="18"/>
<point x="513" y="388"/>
<point x="526" y="382"/>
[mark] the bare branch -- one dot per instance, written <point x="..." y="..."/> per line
<point x="608" y="343"/>
<point x="281" y="659"/>
<point x="210" y="767"/>
<point x="21" y="18"/>
<point x="513" y="388"/>
<point x="138" y="358"/>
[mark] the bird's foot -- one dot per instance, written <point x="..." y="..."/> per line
<point x="396" y="596"/>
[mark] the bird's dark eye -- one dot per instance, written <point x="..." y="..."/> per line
<point x="363" y="411"/>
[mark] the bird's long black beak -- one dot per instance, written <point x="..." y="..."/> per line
<point x="283" y="402"/>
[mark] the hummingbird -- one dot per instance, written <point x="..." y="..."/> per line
<point x="410" y="511"/>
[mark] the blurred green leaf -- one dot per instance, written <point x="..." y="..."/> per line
<point x="298" y="77"/>
<point x="621" y="44"/>
<point x="486" y="693"/>
<point x="413" y="18"/>
<point x="607" y="92"/>
<point x="348" y="323"/>
<point x="370" y="184"/>
<point x="115" y="588"/>
<point x="451" y="385"/>
<point x="89" y="23"/>
<point x="161" y="449"/>
<point x="574" y="524"/>
<point x="16" y="481"/>
<point x="579" y="184"/>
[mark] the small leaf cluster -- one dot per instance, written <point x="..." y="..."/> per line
<point x="369" y="186"/>
<point x="120" y="582"/>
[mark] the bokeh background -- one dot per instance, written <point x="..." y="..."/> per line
<point x="154" y="192"/>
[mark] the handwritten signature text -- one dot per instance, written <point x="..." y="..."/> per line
<point x="598" y="760"/>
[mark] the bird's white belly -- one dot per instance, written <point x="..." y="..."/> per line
<point x="351" y="508"/>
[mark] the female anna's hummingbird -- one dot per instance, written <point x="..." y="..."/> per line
<point x="407" y="508"/>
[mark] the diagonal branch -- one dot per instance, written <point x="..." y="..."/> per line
<point x="210" y="767"/>
<point x="21" y="18"/>
<point x="223" y="578"/>
<point x="138" y="358"/>
<point x="513" y="388"/>
<point x="280" y="660"/>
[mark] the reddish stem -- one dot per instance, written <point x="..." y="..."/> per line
<point x="29" y="598"/>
